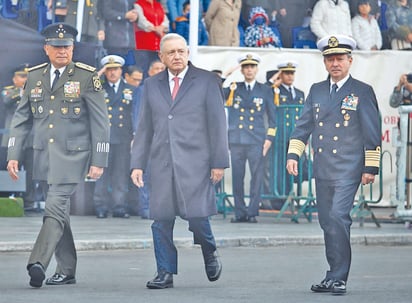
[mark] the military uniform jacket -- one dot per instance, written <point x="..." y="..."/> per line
<point x="91" y="21"/>
<point x="119" y="107"/>
<point x="185" y="138"/>
<point x="288" y="116"/>
<point x="11" y="98"/>
<point x="247" y="114"/>
<point x="70" y="124"/>
<point x="346" y="131"/>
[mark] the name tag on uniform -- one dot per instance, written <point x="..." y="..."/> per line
<point x="350" y="102"/>
<point x="72" y="89"/>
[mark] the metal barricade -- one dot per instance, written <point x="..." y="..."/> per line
<point x="296" y="193"/>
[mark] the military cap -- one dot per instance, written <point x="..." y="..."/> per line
<point x="22" y="69"/>
<point x="288" y="66"/>
<point x="249" y="58"/>
<point x="59" y="34"/>
<point x="112" y="61"/>
<point x="336" y="44"/>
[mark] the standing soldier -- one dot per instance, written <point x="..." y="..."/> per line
<point x="342" y="115"/>
<point x="291" y="96"/>
<point x="63" y="102"/>
<point x="247" y="103"/>
<point x="118" y="97"/>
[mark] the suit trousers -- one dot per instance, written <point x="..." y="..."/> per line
<point x="334" y="203"/>
<point x="164" y="248"/>
<point x="55" y="235"/>
<point x="240" y="153"/>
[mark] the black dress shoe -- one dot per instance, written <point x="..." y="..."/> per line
<point x="123" y="215"/>
<point x="239" y="220"/>
<point x="37" y="275"/>
<point x="339" y="287"/>
<point x="101" y="215"/>
<point x="163" y="280"/>
<point x="213" y="266"/>
<point x="324" y="286"/>
<point x="60" y="279"/>
<point x="252" y="219"/>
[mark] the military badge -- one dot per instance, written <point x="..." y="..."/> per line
<point x="38" y="83"/>
<point x="40" y="109"/>
<point x="258" y="101"/>
<point x="72" y="89"/>
<point x="64" y="110"/>
<point x="36" y="93"/>
<point x="333" y="42"/>
<point x="97" y="85"/>
<point x="127" y="94"/>
<point x="33" y="109"/>
<point x="76" y="110"/>
<point x="350" y="102"/>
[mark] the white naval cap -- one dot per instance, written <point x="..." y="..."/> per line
<point x="288" y="66"/>
<point x="249" y="58"/>
<point x="112" y="61"/>
<point x="336" y="44"/>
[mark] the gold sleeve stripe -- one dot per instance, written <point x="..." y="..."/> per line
<point x="296" y="147"/>
<point x="372" y="157"/>
<point x="272" y="132"/>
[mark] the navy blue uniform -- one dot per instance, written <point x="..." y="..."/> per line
<point x="116" y="176"/>
<point x="346" y="140"/>
<point x="247" y="133"/>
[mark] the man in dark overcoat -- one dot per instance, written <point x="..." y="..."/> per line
<point x="63" y="103"/>
<point x="342" y="115"/>
<point x="186" y="140"/>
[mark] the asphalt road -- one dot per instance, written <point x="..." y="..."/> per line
<point x="379" y="274"/>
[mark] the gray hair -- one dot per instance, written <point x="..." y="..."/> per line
<point x="171" y="36"/>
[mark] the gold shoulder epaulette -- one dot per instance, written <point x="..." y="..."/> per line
<point x="37" y="66"/>
<point x="85" y="66"/>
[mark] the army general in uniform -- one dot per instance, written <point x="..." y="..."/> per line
<point x="342" y="115"/>
<point x="63" y="102"/>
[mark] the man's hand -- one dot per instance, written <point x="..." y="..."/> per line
<point x="367" y="178"/>
<point x="137" y="177"/>
<point x="216" y="174"/>
<point x="266" y="147"/>
<point x="13" y="168"/>
<point x="292" y="167"/>
<point x="95" y="172"/>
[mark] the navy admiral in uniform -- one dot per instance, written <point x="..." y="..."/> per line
<point x="63" y="102"/>
<point x="118" y="97"/>
<point x="342" y="115"/>
<point x="249" y="139"/>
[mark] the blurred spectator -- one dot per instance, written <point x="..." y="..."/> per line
<point x="365" y="28"/>
<point x="91" y="24"/>
<point x="247" y="5"/>
<point x="353" y="7"/>
<point x="383" y="26"/>
<point x="290" y="14"/>
<point x="148" y="37"/>
<point x="58" y="10"/>
<point x="175" y="8"/>
<point x="331" y="17"/>
<point x="258" y="33"/>
<point x="222" y="19"/>
<point x="399" y="20"/>
<point x="402" y="93"/>
<point x="118" y="17"/>
<point x="183" y="26"/>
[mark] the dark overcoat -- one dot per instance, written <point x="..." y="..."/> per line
<point x="185" y="138"/>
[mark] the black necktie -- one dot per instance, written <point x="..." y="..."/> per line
<point x="290" y="92"/>
<point x="114" y="88"/>
<point x="249" y="89"/>
<point x="56" y="78"/>
<point x="333" y="91"/>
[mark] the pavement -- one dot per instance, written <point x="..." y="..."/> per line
<point x="90" y="233"/>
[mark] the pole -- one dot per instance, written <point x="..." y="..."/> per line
<point x="193" y="29"/>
